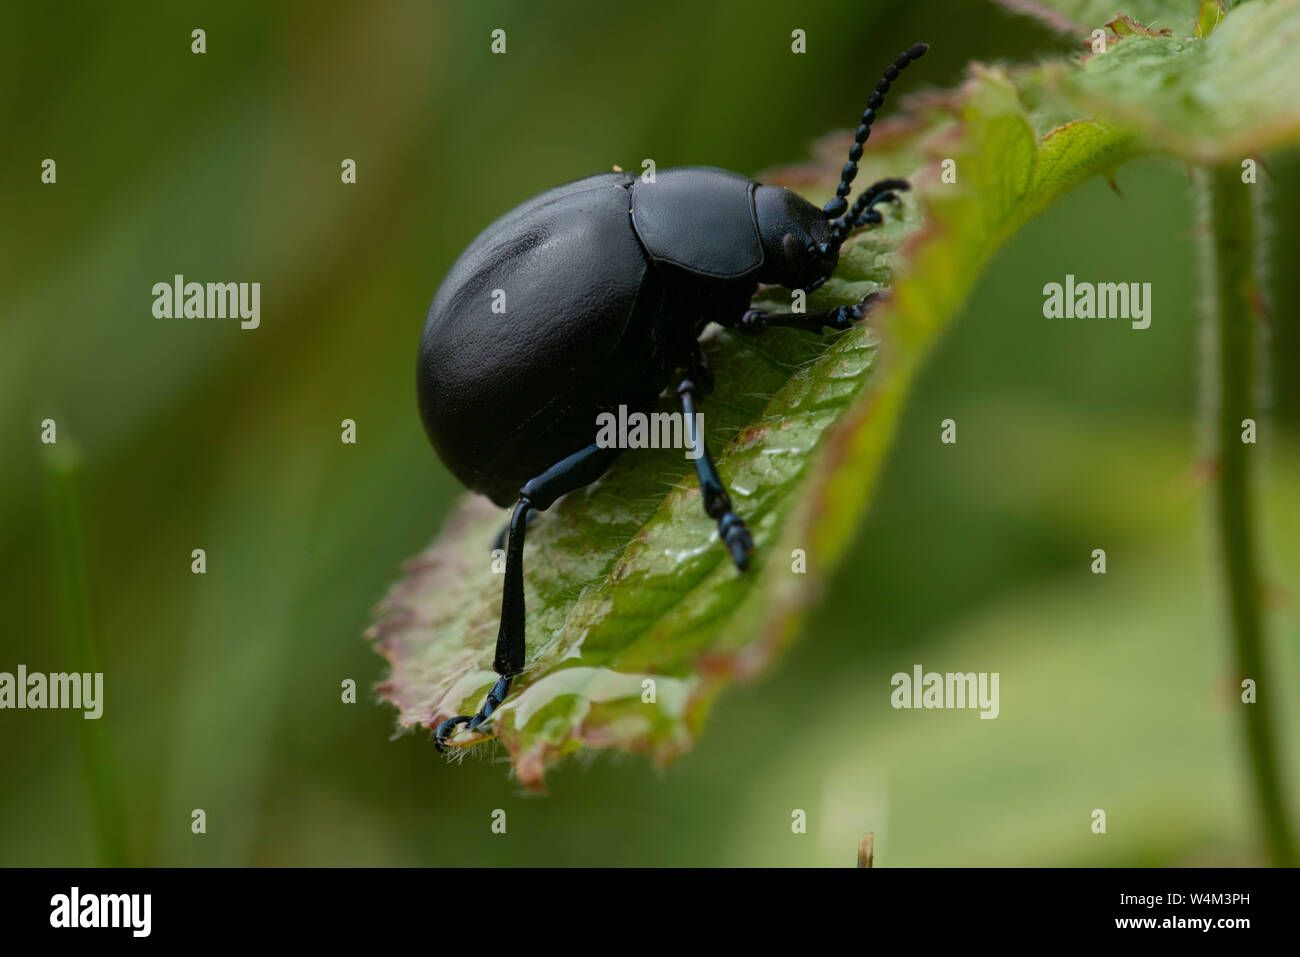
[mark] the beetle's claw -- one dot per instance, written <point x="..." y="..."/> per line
<point x="843" y="317"/>
<point x="737" y="539"/>
<point x="490" y="704"/>
<point x="445" y="729"/>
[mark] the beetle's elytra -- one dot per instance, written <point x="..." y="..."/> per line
<point x="608" y="282"/>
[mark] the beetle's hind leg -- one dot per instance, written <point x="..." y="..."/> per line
<point x="538" y="494"/>
<point x="717" y="503"/>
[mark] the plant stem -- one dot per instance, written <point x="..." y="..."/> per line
<point x="1235" y="305"/>
<point x="867" y="850"/>
<point x="62" y="469"/>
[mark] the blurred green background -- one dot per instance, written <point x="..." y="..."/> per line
<point x="222" y="691"/>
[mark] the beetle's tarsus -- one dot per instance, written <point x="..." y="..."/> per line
<point x="446" y="728"/>
<point x="731" y="527"/>
<point x="494" y="700"/>
<point x="864" y="212"/>
<point x="842" y="317"/>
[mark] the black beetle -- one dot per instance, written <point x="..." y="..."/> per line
<point x="591" y="296"/>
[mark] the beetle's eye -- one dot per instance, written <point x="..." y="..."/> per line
<point x="793" y="252"/>
<point x="824" y="250"/>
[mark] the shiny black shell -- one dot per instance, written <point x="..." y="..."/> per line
<point x="607" y="283"/>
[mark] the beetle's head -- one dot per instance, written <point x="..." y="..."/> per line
<point x="798" y="248"/>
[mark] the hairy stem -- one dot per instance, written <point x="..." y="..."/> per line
<point x="1232" y="240"/>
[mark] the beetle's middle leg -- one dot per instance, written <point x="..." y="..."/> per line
<point x="499" y="542"/>
<point x="537" y="494"/>
<point x="717" y="503"/>
<point x="837" y="317"/>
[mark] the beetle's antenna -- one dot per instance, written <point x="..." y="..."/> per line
<point x="861" y="212"/>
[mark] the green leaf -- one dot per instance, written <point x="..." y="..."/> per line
<point x="1080" y="17"/>
<point x="1208" y="16"/>
<point x="1208" y="101"/>
<point x="625" y="581"/>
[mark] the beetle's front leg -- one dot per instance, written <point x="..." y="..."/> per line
<point x="838" y="318"/>
<point x="717" y="503"/>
